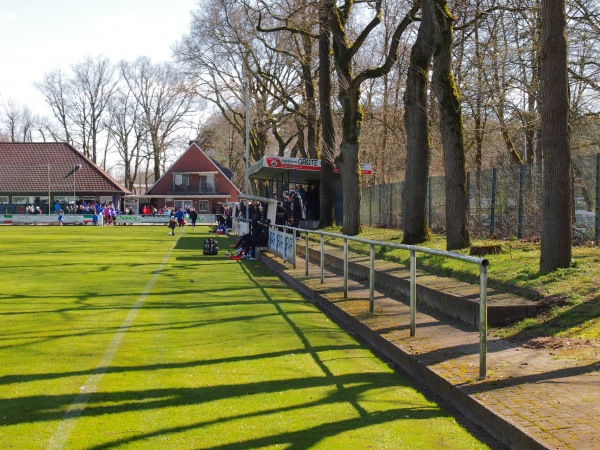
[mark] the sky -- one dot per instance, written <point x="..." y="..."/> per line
<point x="39" y="36"/>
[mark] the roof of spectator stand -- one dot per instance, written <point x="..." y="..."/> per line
<point x="35" y="167"/>
<point x="298" y="170"/>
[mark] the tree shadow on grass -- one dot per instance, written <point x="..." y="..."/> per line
<point x="304" y="438"/>
<point x="564" y="319"/>
<point x="347" y="389"/>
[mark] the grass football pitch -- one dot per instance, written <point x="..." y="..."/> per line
<point x="125" y="337"/>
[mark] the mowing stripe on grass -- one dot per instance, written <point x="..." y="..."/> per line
<point x="62" y="433"/>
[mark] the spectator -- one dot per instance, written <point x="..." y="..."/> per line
<point x="297" y="212"/>
<point x="193" y="217"/>
<point x="258" y="237"/>
<point x="287" y="204"/>
<point x="179" y="214"/>
<point x="281" y="215"/>
<point x="172" y="225"/>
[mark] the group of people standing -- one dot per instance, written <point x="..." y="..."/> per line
<point x="107" y="211"/>
<point x="177" y="218"/>
<point x="291" y="210"/>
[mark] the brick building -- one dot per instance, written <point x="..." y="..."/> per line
<point x="195" y="180"/>
<point x="47" y="172"/>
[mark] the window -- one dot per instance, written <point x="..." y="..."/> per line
<point x="70" y="200"/>
<point x="105" y="198"/>
<point x="184" y="204"/>
<point x="4" y="199"/>
<point x="203" y="205"/>
<point x="20" y="200"/>
<point x="181" y="179"/>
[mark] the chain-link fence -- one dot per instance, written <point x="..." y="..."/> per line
<point x="503" y="202"/>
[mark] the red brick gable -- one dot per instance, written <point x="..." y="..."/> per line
<point x="194" y="160"/>
<point x="31" y="167"/>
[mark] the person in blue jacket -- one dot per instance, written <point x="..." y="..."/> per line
<point x="179" y="214"/>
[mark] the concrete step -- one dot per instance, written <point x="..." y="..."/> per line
<point x="453" y="298"/>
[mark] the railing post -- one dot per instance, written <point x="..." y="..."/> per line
<point x="293" y="237"/>
<point x="372" y="280"/>
<point x="469" y="197"/>
<point x="391" y="205"/>
<point x="493" y="203"/>
<point x="597" y="233"/>
<point x="380" y="212"/>
<point x="413" y="293"/>
<point x="483" y="327"/>
<point x="306" y="254"/>
<point x="322" y="259"/>
<point x="345" y="267"/>
<point x="371" y="206"/>
<point x="429" y="200"/>
<point x="521" y="199"/>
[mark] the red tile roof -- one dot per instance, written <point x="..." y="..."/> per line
<point x="27" y="167"/>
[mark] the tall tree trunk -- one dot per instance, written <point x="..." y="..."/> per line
<point x="312" y="133"/>
<point x="416" y="120"/>
<point x="451" y="127"/>
<point x="554" y="136"/>
<point x="327" y="128"/>
<point x="349" y="157"/>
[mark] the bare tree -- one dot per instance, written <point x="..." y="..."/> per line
<point x="223" y="53"/>
<point x="92" y="87"/>
<point x="127" y="133"/>
<point x="325" y="109"/>
<point x="416" y="119"/>
<point x="55" y="87"/>
<point x="349" y="92"/>
<point x="165" y="101"/>
<point x="557" y="193"/>
<point x="223" y="142"/>
<point x="79" y="103"/>
<point x="451" y="126"/>
<point x="18" y="121"/>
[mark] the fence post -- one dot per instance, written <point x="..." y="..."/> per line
<point x="573" y="205"/>
<point x="370" y="206"/>
<point x="521" y="199"/>
<point x="598" y="197"/>
<point x="372" y="280"/>
<point x="430" y="199"/>
<point x="413" y="293"/>
<point x="493" y="204"/>
<point x="468" y="197"/>
<point x="391" y="203"/>
<point x="380" y="215"/>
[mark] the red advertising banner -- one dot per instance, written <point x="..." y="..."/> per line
<point x="277" y="162"/>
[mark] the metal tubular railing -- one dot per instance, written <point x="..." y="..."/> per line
<point x="481" y="262"/>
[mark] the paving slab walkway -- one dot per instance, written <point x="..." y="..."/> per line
<point x="531" y="398"/>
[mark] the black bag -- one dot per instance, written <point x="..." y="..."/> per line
<point x="210" y="247"/>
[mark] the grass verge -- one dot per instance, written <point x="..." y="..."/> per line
<point x="569" y="297"/>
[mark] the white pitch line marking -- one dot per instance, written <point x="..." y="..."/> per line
<point x="62" y="433"/>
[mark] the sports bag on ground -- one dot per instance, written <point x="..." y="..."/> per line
<point x="210" y="247"/>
